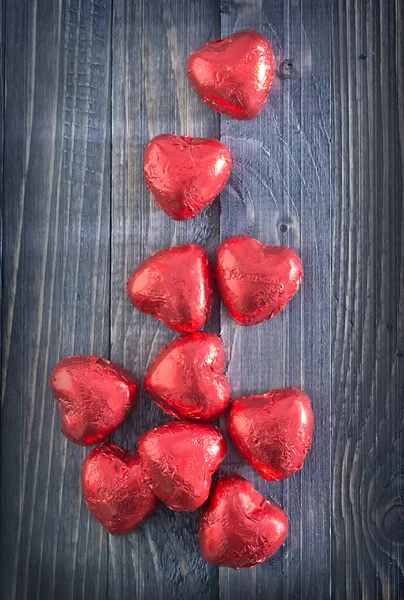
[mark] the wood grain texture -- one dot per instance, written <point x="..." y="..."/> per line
<point x="280" y="194"/>
<point x="320" y="170"/>
<point x="151" y="41"/>
<point x="56" y="281"/>
<point x="367" y="315"/>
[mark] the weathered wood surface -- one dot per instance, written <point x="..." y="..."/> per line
<point x="56" y="286"/>
<point x="280" y="193"/>
<point x="368" y="300"/>
<point x="86" y="84"/>
<point x="150" y="95"/>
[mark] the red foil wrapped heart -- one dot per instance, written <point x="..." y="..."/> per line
<point x="186" y="379"/>
<point x="239" y="528"/>
<point x="273" y="431"/>
<point x="115" y="490"/>
<point x="178" y="461"/>
<point x="233" y="75"/>
<point x="94" y="396"/>
<point x="256" y="281"/>
<point x="185" y="174"/>
<point x="175" y="286"/>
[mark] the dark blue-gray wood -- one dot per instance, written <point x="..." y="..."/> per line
<point x="321" y="170"/>
<point x="280" y="193"/>
<point x="56" y="245"/>
<point x="150" y="95"/>
<point x="368" y="300"/>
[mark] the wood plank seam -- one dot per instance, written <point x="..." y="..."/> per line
<point x="111" y="58"/>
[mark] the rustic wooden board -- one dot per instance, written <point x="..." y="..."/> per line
<point x="87" y="83"/>
<point x="150" y="95"/>
<point x="368" y="300"/>
<point x="280" y="194"/>
<point x="56" y="282"/>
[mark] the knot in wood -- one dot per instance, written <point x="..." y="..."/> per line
<point x="286" y="69"/>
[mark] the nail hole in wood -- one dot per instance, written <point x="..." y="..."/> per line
<point x="285" y="69"/>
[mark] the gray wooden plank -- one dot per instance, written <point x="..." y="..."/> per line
<point x="307" y="356"/>
<point x="280" y="193"/>
<point x="56" y="280"/>
<point x="367" y="314"/>
<point x="151" y="41"/>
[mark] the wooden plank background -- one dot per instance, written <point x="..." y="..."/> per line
<point x="150" y="95"/>
<point x="84" y="84"/>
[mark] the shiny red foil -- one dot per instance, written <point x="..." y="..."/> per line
<point x="186" y="379"/>
<point x="256" y="281"/>
<point x="175" y="286"/>
<point x="233" y="75"/>
<point x="115" y="490"/>
<point x="178" y="461"/>
<point x="94" y="396"/>
<point x="273" y="431"/>
<point x="185" y="174"/>
<point x="239" y="528"/>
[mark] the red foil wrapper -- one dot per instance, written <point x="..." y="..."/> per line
<point x="185" y="174"/>
<point x="233" y="75"/>
<point x="178" y="461"/>
<point x="273" y="431"/>
<point x="94" y="396"/>
<point x="256" y="281"/>
<point x="115" y="490"/>
<point x="239" y="528"/>
<point x="175" y="286"/>
<point x="186" y="379"/>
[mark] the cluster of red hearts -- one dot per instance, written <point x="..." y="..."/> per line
<point x="272" y="432"/>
